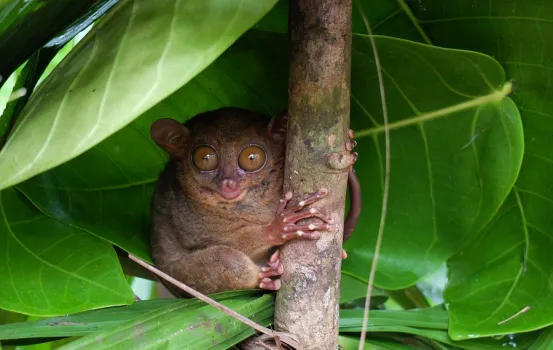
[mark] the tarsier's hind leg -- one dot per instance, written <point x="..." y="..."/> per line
<point x="215" y="269"/>
<point x="219" y="268"/>
<point x="270" y="274"/>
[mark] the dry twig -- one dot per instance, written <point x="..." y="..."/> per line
<point x="277" y="336"/>
<point x="386" y="183"/>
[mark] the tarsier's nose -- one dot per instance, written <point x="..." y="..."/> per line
<point x="229" y="184"/>
<point x="230" y="189"/>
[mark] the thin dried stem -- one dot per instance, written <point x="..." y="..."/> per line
<point x="284" y="337"/>
<point x="515" y="315"/>
<point x="386" y="183"/>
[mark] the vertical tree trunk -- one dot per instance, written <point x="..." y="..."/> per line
<point x="318" y="112"/>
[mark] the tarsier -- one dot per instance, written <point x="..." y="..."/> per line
<point x="219" y="213"/>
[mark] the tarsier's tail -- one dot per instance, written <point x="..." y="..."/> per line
<point x="354" y="204"/>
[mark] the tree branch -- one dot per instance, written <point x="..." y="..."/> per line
<point x="318" y="112"/>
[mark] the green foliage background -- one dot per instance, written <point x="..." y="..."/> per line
<point x="467" y="85"/>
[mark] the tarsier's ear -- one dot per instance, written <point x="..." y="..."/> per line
<point x="170" y="135"/>
<point x="277" y="125"/>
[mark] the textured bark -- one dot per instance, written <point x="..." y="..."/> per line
<point x="318" y="112"/>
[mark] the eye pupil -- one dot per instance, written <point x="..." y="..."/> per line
<point x="252" y="158"/>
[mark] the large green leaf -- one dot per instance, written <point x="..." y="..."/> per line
<point x="49" y="268"/>
<point x="385" y="16"/>
<point x="28" y="25"/>
<point x="431" y="318"/>
<point x="544" y="341"/>
<point x="429" y="323"/>
<point x="351" y="342"/>
<point x="451" y="167"/>
<point x="27" y="79"/>
<point x="11" y="317"/>
<point x="352" y="289"/>
<point x="138" y="54"/>
<point x="180" y="326"/>
<point x="4" y="3"/>
<point x="88" y="322"/>
<point x="503" y="275"/>
<point x="514" y="252"/>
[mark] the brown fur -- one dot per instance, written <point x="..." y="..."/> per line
<point x="198" y="237"/>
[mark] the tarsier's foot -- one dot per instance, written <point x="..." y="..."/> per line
<point x="350" y="145"/>
<point x="344" y="255"/>
<point x="274" y="268"/>
<point x="285" y="226"/>
<point x="344" y="160"/>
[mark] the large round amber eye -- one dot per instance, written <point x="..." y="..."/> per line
<point x="205" y="158"/>
<point x="252" y="158"/>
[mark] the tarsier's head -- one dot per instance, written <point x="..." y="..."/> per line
<point x="225" y="156"/>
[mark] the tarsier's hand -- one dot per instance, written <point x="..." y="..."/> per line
<point x="285" y="226"/>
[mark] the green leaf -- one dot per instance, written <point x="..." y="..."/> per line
<point x="515" y="249"/>
<point x="350" y="342"/>
<point x="434" y="318"/>
<point x="94" y="12"/>
<point x="352" y="289"/>
<point x="510" y="273"/>
<point x="5" y="2"/>
<point x="28" y="25"/>
<point x="6" y="91"/>
<point x="431" y="323"/>
<point x="179" y="326"/>
<point x="385" y="16"/>
<point x="409" y="298"/>
<point x="27" y="79"/>
<point x="456" y="149"/>
<point x="544" y="341"/>
<point x="48" y="268"/>
<point x="7" y="317"/>
<point x="84" y="323"/>
<point x="141" y="52"/>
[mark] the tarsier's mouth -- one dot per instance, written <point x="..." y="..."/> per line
<point x="232" y="194"/>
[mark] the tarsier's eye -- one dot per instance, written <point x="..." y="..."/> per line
<point x="205" y="158"/>
<point x="252" y="158"/>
